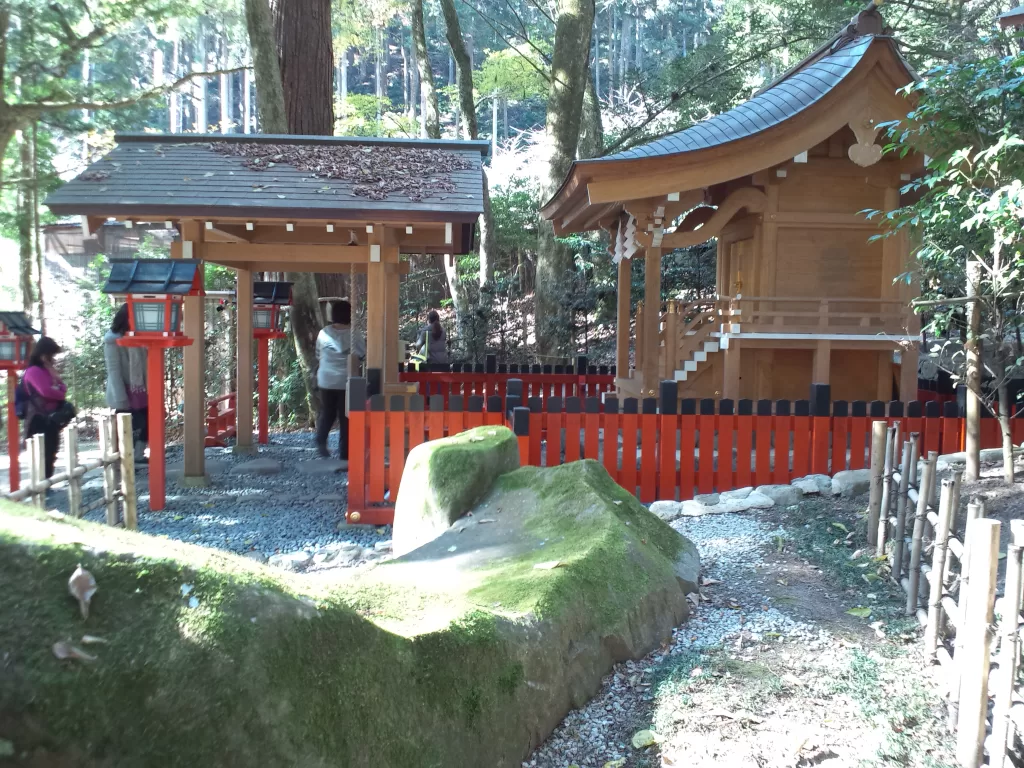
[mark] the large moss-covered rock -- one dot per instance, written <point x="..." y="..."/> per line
<point x="466" y="652"/>
<point x="443" y="479"/>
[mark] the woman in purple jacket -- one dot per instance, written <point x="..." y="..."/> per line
<point x="48" y="405"/>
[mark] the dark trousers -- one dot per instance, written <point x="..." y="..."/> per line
<point x="332" y="409"/>
<point x="140" y="426"/>
<point x="41" y="424"/>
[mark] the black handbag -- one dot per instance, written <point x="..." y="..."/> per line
<point x="64" y="415"/>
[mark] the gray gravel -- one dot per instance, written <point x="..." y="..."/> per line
<point x="731" y="547"/>
<point x="276" y="513"/>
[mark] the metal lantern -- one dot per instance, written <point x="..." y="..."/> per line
<point x="154" y="289"/>
<point x="16" y="334"/>
<point x="270" y="303"/>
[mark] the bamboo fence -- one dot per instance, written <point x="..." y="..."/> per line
<point x="119" y="498"/>
<point x="951" y="589"/>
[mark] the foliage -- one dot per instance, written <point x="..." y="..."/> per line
<point x="515" y="73"/>
<point x="968" y="206"/>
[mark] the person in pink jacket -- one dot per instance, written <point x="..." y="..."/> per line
<point x="48" y="412"/>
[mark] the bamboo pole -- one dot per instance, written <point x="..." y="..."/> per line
<point x="900" y="535"/>
<point x="975" y="511"/>
<point x="974" y="664"/>
<point x="917" y="541"/>
<point x="37" y="446"/>
<point x="915" y="456"/>
<point x="879" y="432"/>
<point x="883" y="514"/>
<point x="106" y="452"/>
<point x="74" y="484"/>
<point x="124" y="442"/>
<point x="1009" y="649"/>
<point x="931" y="632"/>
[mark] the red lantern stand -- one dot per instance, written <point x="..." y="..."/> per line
<point x="263" y="338"/>
<point x="16" y="349"/>
<point x="270" y="303"/>
<point x="155" y="318"/>
<point x="156" y="415"/>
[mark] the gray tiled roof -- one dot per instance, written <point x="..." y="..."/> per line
<point x="19" y="323"/>
<point x="272" y="293"/>
<point x="169" y="175"/>
<point x="780" y="101"/>
<point x="173" y="276"/>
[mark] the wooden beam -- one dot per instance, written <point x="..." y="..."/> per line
<point x="822" y="363"/>
<point x="749" y="198"/>
<point x="769" y="244"/>
<point x="233" y="253"/>
<point x="622" y="312"/>
<point x="652" y="320"/>
<point x="194" y="326"/>
<point x="732" y="370"/>
<point x="227" y="234"/>
<point x="392" y="321"/>
<point x="401" y="267"/>
<point x="244" y="378"/>
<point x="908" y="372"/>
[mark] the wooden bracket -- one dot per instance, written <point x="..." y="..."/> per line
<point x="865" y="152"/>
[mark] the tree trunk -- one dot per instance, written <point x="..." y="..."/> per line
<point x="269" y="90"/>
<point x="1004" y="421"/>
<point x="36" y="228"/>
<point x="344" y="77"/>
<point x="591" y="131"/>
<point x="24" y="223"/>
<point x="494" y="125"/>
<point x="972" y="426"/>
<point x="247" y="101"/>
<point x="303" y="33"/>
<point x="573" y="28"/>
<point x="201" y="123"/>
<point x="225" y="90"/>
<point x="414" y="83"/>
<point x="430" y="122"/>
<point x="174" y="98"/>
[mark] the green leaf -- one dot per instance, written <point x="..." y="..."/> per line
<point x="860" y="613"/>
<point x="841" y="527"/>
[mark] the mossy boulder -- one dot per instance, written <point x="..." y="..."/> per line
<point x="443" y="479"/>
<point x="466" y="652"/>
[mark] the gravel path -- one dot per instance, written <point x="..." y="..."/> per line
<point x="300" y="507"/>
<point x="744" y="683"/>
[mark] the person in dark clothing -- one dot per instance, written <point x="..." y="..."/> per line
<point x="432" y="344"/>
<point x="48" y="409"/>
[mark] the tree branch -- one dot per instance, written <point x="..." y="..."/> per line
<point x="32" y="110"/>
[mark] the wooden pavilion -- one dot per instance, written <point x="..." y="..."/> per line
<point x="286" y="204"/>
<point x="803" y="293"/>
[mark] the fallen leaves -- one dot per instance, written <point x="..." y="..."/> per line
<point x="67" y="651"/>
<point x="860" y="612"/>
<point x="644" y="739"/>
<point x="376" y="172"/>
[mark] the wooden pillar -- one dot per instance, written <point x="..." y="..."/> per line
<point x="622" y="318"/>
<point x="392" y="322"/>
<point x="376" y="296"/>
<point x="243" y="401"/>
<point x="892" y="249"/>
<point x="194" y="326"/>
<point x="822" y="358"/>
<point x="908" y="373"/>
<point x="731" y="372"/>
<point x="769" y="240"/>
<point x="884" y="377"/>
<point x="652" y="321"/>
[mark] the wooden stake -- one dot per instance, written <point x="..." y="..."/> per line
<point x="974" y="664"/>
<point x="915" y="456"/>
<point x="883" y="513"/>
<point x="879" y="431"/>
<point x="900" y="536"/>
<point x="1009" y="649"/>
<point x="106" y="451"/>
<point x="931" y="632"/>
<point x="74" y="481"/>
<point x="975" y="511"/>
<point x="124" y="440"/>
<point x="917" y="542"/>
<point x="37" y="446"/>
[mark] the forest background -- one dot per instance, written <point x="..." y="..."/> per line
<point x="544" y="81"/>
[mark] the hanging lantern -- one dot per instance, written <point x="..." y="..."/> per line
<point x="270" y="304"/>
<point x="16" y="340"/>
<point x="155" y="290"/>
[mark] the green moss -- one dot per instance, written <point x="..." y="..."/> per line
<point x="605" y="561"/>
<point x="463" y="467"/>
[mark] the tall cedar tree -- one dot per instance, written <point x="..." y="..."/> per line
<point x="300" y="32"/>
<point x="569" y="74"/>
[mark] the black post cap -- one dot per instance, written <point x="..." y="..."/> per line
<point x="951" y="409"/>
<point x="494" y="404"/>
<point x="896" y="408"/>
<point x="502" y="367"/>
<point x="521" y="421"/>
<point x="707" y="407"/>
<point x="745" y="407"/>
<point x="877" y="409"/>
<point x="554" y="404"/>
<point x="648" y="406"/>
<point x="437" y="402"/>
<point x="630" y="405"/>
<point x="782" y="407"/>
<point x="377" y="403"/>
<point x="611" y="405"/>
<point x="592" y="370"/>
<point x="802" y="408"/>
<point x="764" y="407"/>
<point x="726" y="407"/>
<point x="492" y="363"/>
<point x="840" y="408"/>
<point x="581" y="364"/>
<point x="536" y="368"/>
<point x="559" y="369"/>
<point x="688" y="406"/>
<point x="397" y="403"/>
<point x="514" y="388"/>
<point x="513" y="368"/>
<point x="668" y="392"/>
<point x="572" y="405"/>
<point x="374" y="381"/>
<point x="357" y="394"/>
<point x="932" y="409"/>
<point x="859" y="408"/>
<point x="821" y="397"/>
<point x="546" y="368"/>
<point x="914" y="409"/>
<point x="535" y="404"/>
<point x="592" y="405"/>
<point x="416" y="403"/>
<point x="475" y="404"/>
<point x="602" y="370"/>
<point x="512" y="402"/>
<point x="454" y="404"/>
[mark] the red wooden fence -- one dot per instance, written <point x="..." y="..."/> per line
<point x="220" y="420"/>
<point x="658" y="453"/>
